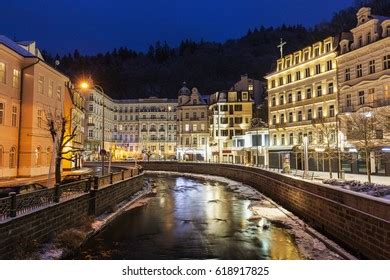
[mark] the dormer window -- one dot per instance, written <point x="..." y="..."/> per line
<point x="316" y="52"/>
<point x="328" y="47"/>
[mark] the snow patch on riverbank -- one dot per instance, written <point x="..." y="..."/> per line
<point x="267" y="213"/>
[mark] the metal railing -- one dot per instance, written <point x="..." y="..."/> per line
<point x="18" y="204"/>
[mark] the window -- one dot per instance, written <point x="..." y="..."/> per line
<point x="368" y="37"/>
<point x="59" y="89"/>
<point x="281" y="100"/>
<point x="186" y="127"/>
<point x="90" y="107"/>
<point x="202" y="115"/>
<point x="282" y="118"/>
<point x="290" y="99"/>
<point x="371" y="67"/>
<point x="359" y="71"/>
<point x="318" y="68"/>
<point x="306" y="55"/>
<point x="299" y="116"/>
<point x="328" y="47"/>
<point x="275" y="140"/>
<point x="2" y="73"/>
<point x="331" y="111"/>
<point x="40" y="118"/>
<point x="319" y="91"/>
<point x="237" y="107"/>
<point x="12" y="157"/>
<point x="194" y="127"/>
<point x="300" y="137"/>
<point x="273" y="101"/>
<point x="319" y="113"/>
<point x="361" y="97"/>
<point x="272" y="83"/>
<point x="307" y="72"/>
<point x="330" y="88"/>
<point x="273" y="119"/>
<point x="289" y="78"/>
<point x="41" y="82"/>
<point x="14" y="116"/>
<point x="360" y="41"/>
<point x="2" y="111"/>
<point x="347" y="74"/>
<point x="194" y="115"/>
<point x="250" y="87"/>
<point x="309" y="114"/>
<point x="290" y="117"/>
<point x="386" y="62"/>
<point x="282" y="139"/>
<point x="349" y="100"/>
<point x="50" y="92"/>
<point x="310" y="137"/>
<point x="16" y="78"/>
<point x="298" y="75"/>
<point x="329" y="65"/>
<point x="308" y="93"/>
<point x="320" y="137"/>
<point x="238" y="120"/>
<point x="316" y="51"/>
<point x="195" y="141"/>
<point x="291" y="139"/>
<point x="280" y="81"/>
<point x="38" y="156"/>
<point x="299" y="96"/>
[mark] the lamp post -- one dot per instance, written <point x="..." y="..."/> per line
<point x="85" y="86"/>
<point x="339" y="171"/>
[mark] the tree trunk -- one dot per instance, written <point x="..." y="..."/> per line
<point x="330" y="167"/>
<point x="368" y="166"/>
<point x="58" y="170"/>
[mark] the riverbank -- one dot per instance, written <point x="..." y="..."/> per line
<point x="67" y="243"/>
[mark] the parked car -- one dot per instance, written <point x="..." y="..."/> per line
<point x="22" y="189"/>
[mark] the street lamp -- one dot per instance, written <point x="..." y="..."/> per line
<point x="85" y="85"/>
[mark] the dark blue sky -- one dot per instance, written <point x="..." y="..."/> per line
<point x="100" y="25"/>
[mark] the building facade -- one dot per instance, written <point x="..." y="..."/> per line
<point x="364" y="85"/>
<point x="192" y="117"/>
<point x="31" y="91"/>
<point x="230" y="114"/>
<point x="132" y="127"/>
<point x="302" y="96"/>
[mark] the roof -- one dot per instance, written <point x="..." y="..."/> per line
<point x="14" y="46"/>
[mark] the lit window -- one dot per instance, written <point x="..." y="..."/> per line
<point x="187" y="127"/>
<point x="250" y="87"/>
<point x="2" y="73"/>
<point x="14" y="116"/>
<point x="15" y="78"/>
<point x="41" y="81"/>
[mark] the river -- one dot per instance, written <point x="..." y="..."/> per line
<point x="191" y="218"/>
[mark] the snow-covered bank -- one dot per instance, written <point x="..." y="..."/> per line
<point x="266" y="213"/>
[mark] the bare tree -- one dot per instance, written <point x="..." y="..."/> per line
<point x="326" y="136"/>
<point x="57" y="126"/>
<point x="366" y="130"/>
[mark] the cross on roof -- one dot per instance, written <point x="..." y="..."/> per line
<point x="280" y="46"/>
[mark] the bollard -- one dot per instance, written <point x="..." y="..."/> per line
<point x="123" y="175"/>
<point x="57" y="193"/>
<point x="111" y="178"/>
<point x="95" y="182"/>
<point x="12" y="213"/>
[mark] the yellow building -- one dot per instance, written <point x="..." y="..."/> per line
<point x="192" y="130"/>
<point x="364" y="81"/>
<point x="230" y="114"/>
<point x="302" y="96"/>
<point x="30" y="92"/>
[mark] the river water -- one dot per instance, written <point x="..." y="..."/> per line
<point x="190" y="218"/>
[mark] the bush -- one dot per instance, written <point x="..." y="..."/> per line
<point x="69" y="240"/>
<point x="372" y="189"/>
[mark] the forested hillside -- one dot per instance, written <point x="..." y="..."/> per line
<point x="208" y="65"/>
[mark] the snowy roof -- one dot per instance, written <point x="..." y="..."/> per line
<point x="14" y="46"/>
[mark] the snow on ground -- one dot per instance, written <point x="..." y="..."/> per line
<point x="311" y="244"/>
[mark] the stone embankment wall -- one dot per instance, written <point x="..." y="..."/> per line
<point x="41" y="224"/>
<point x="358" y="222"/>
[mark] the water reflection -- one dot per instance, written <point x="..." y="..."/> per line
<point x="190" y="219"/>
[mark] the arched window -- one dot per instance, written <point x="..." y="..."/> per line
<point x="12" y="157"/>
<point x="48" y="156"/>
<point x="38" y="156"/>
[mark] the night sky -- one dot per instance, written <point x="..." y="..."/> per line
<point x="92" y="26"/>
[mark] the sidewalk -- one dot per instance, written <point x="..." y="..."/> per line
<point x="42" y="179"/>
<point x="319" y="176"/>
